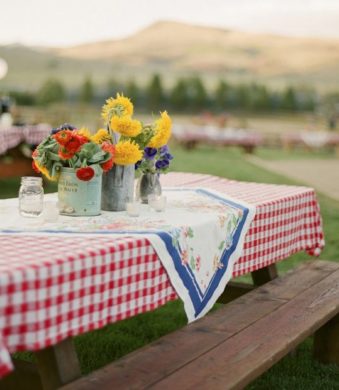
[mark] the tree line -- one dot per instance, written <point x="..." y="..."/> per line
<point x="187" y="95"/>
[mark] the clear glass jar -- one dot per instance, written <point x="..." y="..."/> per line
<point x="31" y="196"/>
<point x="148" y="184"/>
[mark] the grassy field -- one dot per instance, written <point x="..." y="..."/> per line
<point x="293" y="372"/>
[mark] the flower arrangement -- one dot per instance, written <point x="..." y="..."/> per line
<point x="133" y="140"/>
<point x="73" y="148"/>
<point x="124" y="141"/>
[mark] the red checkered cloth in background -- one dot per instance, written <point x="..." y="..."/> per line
<point x="13" y="136"/>
<point x="54" y="287"/>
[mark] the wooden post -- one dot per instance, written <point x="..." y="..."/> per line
<point x="326" y="342"/>
<point x="58" y="365"/>
<point x="264" y="275"/>
<point x="234" y="290"/>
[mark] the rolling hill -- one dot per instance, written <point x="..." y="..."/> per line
<point x="173" y="49"/>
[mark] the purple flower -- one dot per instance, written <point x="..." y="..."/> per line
<point x="149" y="153"/>
<point x="163" y="150"/>
<point x="168" y="156"/>
<point x="162" y="164"/>
<point x="165" y="153"/>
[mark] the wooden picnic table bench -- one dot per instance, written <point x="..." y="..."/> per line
<point x="232" y="346"/>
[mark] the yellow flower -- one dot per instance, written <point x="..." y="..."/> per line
<point x="45" y="172"/>
<point x="162" y="131"/>
<point x="126" y="126"/>
<point x="84" y="132"/>
<point x="127" y="152"/>
<point x="119" y="106"/>
<point x="101" y="136"/>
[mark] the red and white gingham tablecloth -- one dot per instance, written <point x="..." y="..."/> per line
<point x="54" y="287"/>
<point x="10" y="137"/>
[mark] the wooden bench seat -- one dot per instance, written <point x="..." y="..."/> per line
<point x="232" y="346"/>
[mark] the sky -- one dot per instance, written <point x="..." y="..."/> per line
<point x="71" y="22"/>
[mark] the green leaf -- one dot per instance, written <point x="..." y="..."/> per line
<point x="221" y="245"/>
<point x="55" y="168"/>
<point x="190" y="232"/>
<point x="192" y="262"/>
<point x="234" y="220"/>
<point x="53" y="156"/>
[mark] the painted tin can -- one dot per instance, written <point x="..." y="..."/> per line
<point x="117" y="187"/>
<point x="78" y="197"/>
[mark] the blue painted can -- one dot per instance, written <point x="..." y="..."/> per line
<point x="78" y="197"/>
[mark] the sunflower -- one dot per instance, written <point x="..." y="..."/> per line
<point x="162" y="131"/>
<point x="101" y="136"/>
<point x="127" y="152"/>
<point x="126" y="126"/>
<point x="119" y="106"/>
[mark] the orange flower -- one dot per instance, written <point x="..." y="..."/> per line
<point x="64" y="154"/>
<point x="35" y="168"/>
<point x="63" y="137"/>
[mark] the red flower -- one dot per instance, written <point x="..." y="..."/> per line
<point x="35" y="153"/>
<point x="106" y="166"/>
<point x="85" y="173"/>
<point x="35" y="168"/>
<point x="107" y="147"/>
<point x="82" y="139"/>
<point x="63" y="137"/>
<point x="64" y="154"/>
<point x="74" y="144"/>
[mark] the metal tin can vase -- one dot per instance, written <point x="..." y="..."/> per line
<point x="78" y="197"/>
<point x="148" y="184"/>
<point x="117" y="187"/>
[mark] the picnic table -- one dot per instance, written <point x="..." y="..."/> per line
<point x="311" y="140"/>
<point x="192" y="135"/>
<point x="12" y="161"/>
<point x="54" y="287"/>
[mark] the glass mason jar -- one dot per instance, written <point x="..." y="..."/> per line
<point x="31" y="196"/>
<point x="148" y="184"/>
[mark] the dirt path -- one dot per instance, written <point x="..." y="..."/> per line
<point x="323" y="175"/>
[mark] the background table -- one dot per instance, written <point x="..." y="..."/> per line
<point x="191" y="135"/>
<point x="11" y="140"/>
<point x="53" y="287"/>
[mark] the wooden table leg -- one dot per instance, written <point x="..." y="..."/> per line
<point x="234" y="290"/>
<point x="264" y="275"/>
<point x="58" y="364"/>
<point x="326" y="342"/>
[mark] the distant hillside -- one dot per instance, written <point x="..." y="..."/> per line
<point x="179" y="49"/>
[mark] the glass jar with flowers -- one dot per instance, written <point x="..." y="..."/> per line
<point x="130" y="137"/>
<point x="75" y="159"/>
<point x="154" y="162"/>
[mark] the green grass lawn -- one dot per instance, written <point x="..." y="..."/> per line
<point x="295" y="372"/>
